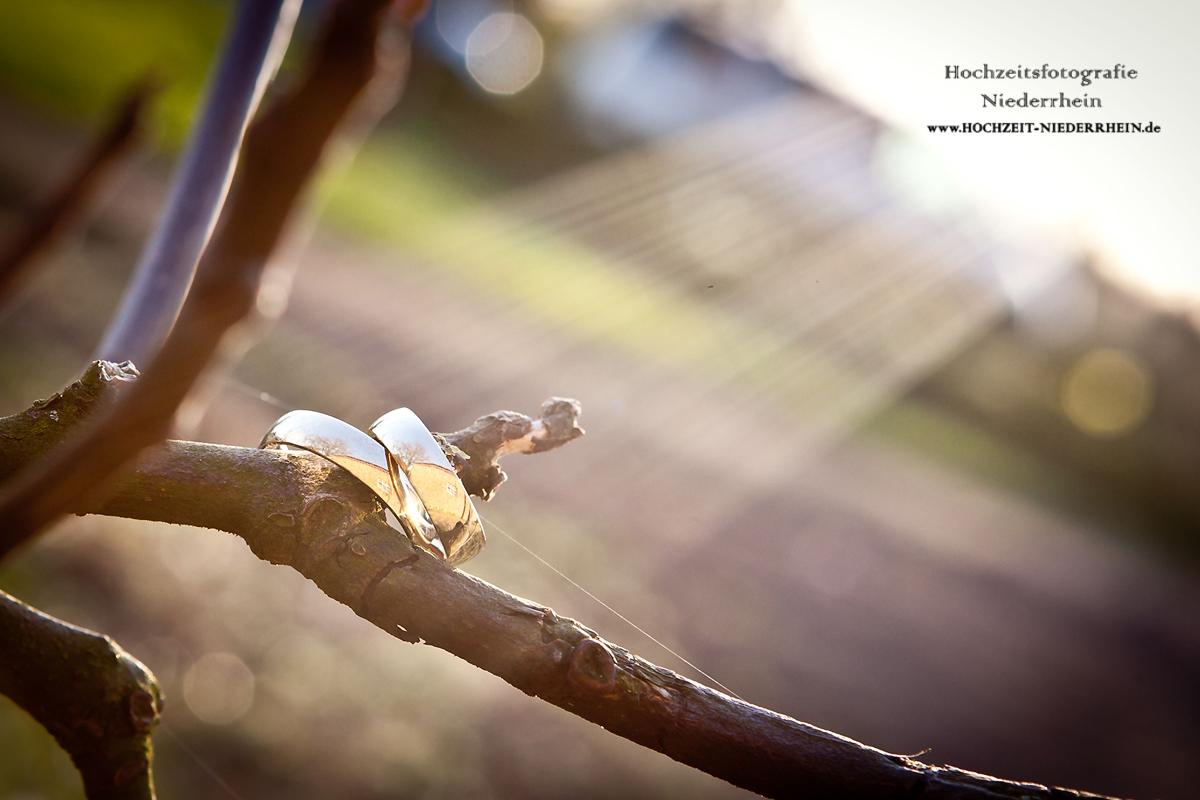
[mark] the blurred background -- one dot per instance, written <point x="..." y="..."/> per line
<point x="894" y="432"/>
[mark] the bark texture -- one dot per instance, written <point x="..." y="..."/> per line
<point x="298" y="509"/>
<point x="283" y="148"/>
<point x="98" y="702"/>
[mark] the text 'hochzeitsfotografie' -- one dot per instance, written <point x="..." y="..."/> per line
<point x="1084" y="77"/>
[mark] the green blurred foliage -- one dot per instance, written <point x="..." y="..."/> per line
<point x="77" y="57"/>
<point x="405" y="188"/>
<point x="33" y="766"/>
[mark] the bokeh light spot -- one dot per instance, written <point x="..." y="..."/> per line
<point x="504" y="53"/>
<point x="218" y="688"/>
<point x="1107" y="393"/>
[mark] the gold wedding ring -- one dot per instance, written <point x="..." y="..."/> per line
<point x="414" y="453"/>
<point x="403" y="465"/>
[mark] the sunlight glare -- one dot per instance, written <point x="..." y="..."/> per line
<point x="1107" y="393"/>
<point x="504" y="53"/>
<point x="218" y="688"/>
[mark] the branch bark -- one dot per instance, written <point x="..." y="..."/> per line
<point x="100" y="703"/>
<point x="76" y="197"/>
<point x="475" y="451"/>
<point x="162" y="278"/>
<point x="282" y="150"/>
<point x="298" y="509"/>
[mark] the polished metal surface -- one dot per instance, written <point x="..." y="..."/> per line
<point x="364" y="458"/>
<point x="417" y="455"/>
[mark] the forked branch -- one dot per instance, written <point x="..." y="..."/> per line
<point x="283" y="148"/>
<point x="298" y="509"/>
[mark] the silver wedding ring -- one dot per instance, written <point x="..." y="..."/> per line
<point x="414" y="453"/>
<point x="405" y="468"/>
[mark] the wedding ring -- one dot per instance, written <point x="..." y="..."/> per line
<point x="364" y="458"/>
<point x="416" y="456"/>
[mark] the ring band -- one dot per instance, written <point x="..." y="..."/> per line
<point x="413" y="452"/>
<point x="403" y="465"/>
<point x="361" y="456"/>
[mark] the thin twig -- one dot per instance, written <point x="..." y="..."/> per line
<point x="162" y="278"/>
<point x="282" y="150"/>
<point x="76" y="198"/>
<point x="504" y="432"/>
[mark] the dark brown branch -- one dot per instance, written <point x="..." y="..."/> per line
<point x="475" y="453"/>
<point x="77" y="197"/>
<point x="298" y="509"/>
<point x="99" y="702"/>
<point x="282" y="150"/>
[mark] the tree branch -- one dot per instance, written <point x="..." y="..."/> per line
<point x="100" y="703"/>
<point x="507" y="432"/>
<point x="164" y="274"/>
<point x="298" y="509"/>
<point x="282" y="150"/>
<point x="74" y="200"/>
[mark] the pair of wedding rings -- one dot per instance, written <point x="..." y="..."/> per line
<point x="403" y="465"/>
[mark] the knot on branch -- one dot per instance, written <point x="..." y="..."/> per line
<point x="327" y="520"/>
<point x="593" y="667"/>
<point x="144" y="710"/>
